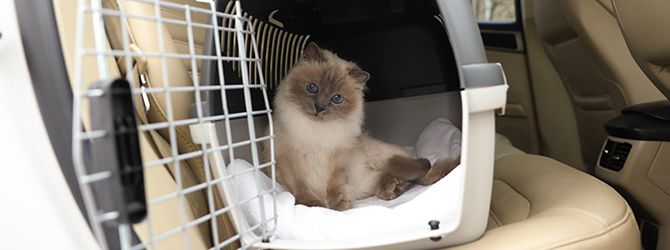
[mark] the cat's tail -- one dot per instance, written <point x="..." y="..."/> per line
<point x="440" y="169"/>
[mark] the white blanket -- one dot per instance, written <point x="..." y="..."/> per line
<point x="370" y="217"/>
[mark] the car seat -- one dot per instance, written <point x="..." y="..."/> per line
<point x="583" y="42"/>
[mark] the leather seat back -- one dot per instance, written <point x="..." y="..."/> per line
<point x="582" y="39"/>
<point x="644" y="25"/>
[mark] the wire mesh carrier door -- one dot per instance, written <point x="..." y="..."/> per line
<point x="152" y="137"/>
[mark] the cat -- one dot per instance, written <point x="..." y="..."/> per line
<point x="323" y="156"/>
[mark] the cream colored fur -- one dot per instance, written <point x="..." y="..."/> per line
<point x="323" y="157"/>
<point x="320" y="147"/>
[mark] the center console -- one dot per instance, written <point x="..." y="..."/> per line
<point x="635" y="160"/>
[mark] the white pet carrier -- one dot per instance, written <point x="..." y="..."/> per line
<point x="111" y="171"/>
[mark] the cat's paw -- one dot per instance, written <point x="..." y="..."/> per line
<point x="338" y="199"/>
<point x="391" y="187"/>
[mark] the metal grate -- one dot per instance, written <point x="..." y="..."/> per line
<point x="186" y="147"/>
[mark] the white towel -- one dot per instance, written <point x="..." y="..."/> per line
<point x="441" y="138"/>
<point x="370" y="217"/>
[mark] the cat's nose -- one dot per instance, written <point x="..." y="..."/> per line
<point x="318" y="108"/>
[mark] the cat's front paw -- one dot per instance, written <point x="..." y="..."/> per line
<point x="338" y="199"/>
<point x="390" y="187"/>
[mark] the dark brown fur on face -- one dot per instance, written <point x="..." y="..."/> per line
<point x="322" y="155"/>
<point x="331" y="77"/>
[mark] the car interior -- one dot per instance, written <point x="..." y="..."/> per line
<point x="581" y="153"/>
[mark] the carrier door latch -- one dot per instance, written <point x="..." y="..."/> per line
<point x="117" y="153"/>
<point x="145" y="97"/>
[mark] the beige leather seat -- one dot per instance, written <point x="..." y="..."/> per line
<point x="647" y="33"/>
<point x="582" y="39"/>
<point x="644" y="25"/>
<point x="537" y="203"/>
<point x="540" y="203"/>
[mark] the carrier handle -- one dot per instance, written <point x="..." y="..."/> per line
<point x="116" y="155"/>
<point x="466" y="41"/>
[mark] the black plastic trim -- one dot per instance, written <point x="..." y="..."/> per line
<point x="404" y="59"/>
<point x="658" y="110"/>
<point x="647" y="122"/>
<point x="500" y="40"/>
<point x="614" y="155"/>
<point x="649" y="236"/>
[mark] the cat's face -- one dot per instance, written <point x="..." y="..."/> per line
<point x="324" y="87"/>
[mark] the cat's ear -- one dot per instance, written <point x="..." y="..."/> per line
<point x="360" y="76"/>
<point x="312" y="53"/>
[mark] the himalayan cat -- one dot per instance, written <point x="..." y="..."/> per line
<point x="324" y="158"/>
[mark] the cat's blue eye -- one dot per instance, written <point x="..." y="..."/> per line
<point x="337" y="99"/>
<point x="312" y="88"/>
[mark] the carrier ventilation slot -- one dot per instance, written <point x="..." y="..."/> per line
<point x="614" y="155"/>
<point x="278" y="49"/>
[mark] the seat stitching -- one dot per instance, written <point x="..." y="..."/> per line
<point x="558" y="209"/>
<point x="607" y="229"/>
<point x="606" y="9"/>
<point x="579" y="212"/>
<point x="495" y="218"/>
<point x="530" y="204"/>
<point x="180" y="14"/>
<point x="597" y="234"/>
<point x="185" y="43"/>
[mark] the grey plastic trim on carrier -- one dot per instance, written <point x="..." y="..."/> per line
<point x="482" y="74"/>
<point x="205" y="76"/>
<point x="467" y="44"/>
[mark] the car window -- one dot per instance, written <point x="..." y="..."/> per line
<point x="494" y="10"/>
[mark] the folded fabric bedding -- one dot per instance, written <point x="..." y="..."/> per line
<point x="369" y="217"/>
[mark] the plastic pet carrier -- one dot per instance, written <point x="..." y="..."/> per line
<point x="167" y="143"/>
